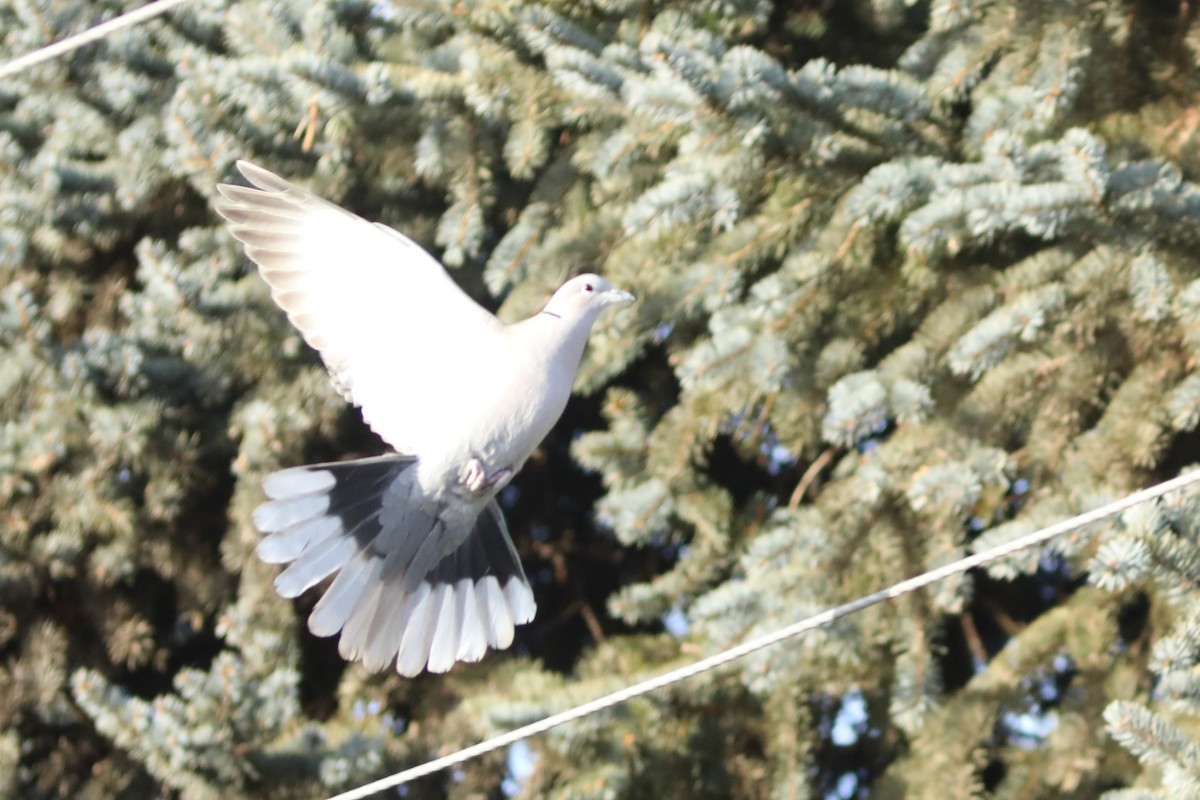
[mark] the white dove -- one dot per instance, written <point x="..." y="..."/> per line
<point x="426" y="572"/>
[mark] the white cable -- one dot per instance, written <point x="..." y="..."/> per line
<point x="154" y="9"/>
<point x="127" y="20"/>
<point x="795" y="629"/>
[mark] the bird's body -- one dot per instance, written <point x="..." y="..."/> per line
<point x="502" y="426"/>
<point x="426" y="574"/>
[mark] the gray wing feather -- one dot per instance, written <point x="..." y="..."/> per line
<point x="398" y="596"/>
<point x="414" y="645"/>
<point x="334" y="609"/>
<point x="493" y="609"/>
<point x="286" y="546"/>
<point x="472" y="640"/>
<point x="373" y="602"/>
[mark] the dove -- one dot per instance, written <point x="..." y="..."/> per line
<point x="424" y="572"/>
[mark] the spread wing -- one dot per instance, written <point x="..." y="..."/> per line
<point x="382" y="312"/>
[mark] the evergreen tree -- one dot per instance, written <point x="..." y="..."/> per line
<point x="914" y="279"/>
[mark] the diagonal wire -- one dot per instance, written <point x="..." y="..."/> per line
<point x="795" y="629"/>
<point x="94" y="34"/>
<point x="159" y="7"/>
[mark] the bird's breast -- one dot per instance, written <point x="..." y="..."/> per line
<point x="499" y="419"/>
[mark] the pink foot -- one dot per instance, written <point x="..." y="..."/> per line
<point x="501" y="479"/>
<point x="474" y="477"/>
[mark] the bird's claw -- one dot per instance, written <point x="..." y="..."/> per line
<point x="501" y="479"/>
<point x="475" y="477"/>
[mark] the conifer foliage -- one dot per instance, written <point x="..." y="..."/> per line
<point x="915" y="278"/>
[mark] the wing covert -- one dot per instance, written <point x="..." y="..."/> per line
<point x="380" y="310"/>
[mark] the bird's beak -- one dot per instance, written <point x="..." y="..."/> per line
<point x="616" y="297"/>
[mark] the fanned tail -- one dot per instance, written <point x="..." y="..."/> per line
<point x="398" y="596"/>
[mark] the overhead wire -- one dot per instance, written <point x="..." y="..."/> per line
<point x="787" y="632"/>
<point x="86" y="37"/>
<point x="715" y="661"/>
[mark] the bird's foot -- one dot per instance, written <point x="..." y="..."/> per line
<point x="500" y="479"/>
<point x="474" y="476"/>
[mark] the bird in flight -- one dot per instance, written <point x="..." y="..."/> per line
<point x="426" y="574"/>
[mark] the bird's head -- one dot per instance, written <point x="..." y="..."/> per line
<point x="585" y="296"/>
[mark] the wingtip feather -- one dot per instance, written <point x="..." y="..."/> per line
<point x="472" y="639"/>
<point x="414" y="647"/>
<point x="521" y="604"/>
<point x="277" y="515"/>
<point x="259" y="176"/>
<point x="289" y="544"/>
<point x="297" y="481"/>
<point x="443" y="644"/>
<point x="494" y="611"/>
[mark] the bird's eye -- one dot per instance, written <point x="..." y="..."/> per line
<point x="587" y="287"/>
